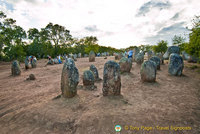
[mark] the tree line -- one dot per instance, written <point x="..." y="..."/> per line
<point x="53" y="40"/>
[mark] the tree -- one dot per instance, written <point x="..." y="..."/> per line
<point x="193" y="47"/>
<point x="91" y="44"/>
<point x="11" y="37"/>
<point x="58" y="35"/>
<point x="160" y="47"/>
<point x="178" y="40"/>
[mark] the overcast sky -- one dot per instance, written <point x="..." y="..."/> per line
<point x="116" y="23"/>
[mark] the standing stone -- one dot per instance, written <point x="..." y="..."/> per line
<point x="88" y="79"/>
<point x="135" y="52"/>
<point x="176" y="64"/>
<point x="149" y="54"/>
<point x="55" y="60"/>
<point x="111" y="79"/>
<point x="170" y="50"/>
<point x="125" y="64"/>
<point x="69" y="79"/>
<point x="91" y="56"/>
<point x="51" y="62"/>
<point x="139" y="58"/>
<point x="15" y="69"/>
<point x="156" y="60"/>
<point x="120" y="55"/>
<point x="148" y="71"/>
<point x="75" y="57"/>
<point x="95" y="72"/>
<point x="71" y="55"/>
<point x="79" y="55"/>
<point x="27" y="63"/>
<point x="160" y="55"/>
<point x="34" y="63"/>
<point x="116" y="56"/>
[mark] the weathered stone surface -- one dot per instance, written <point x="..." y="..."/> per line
<point x="135" y="52"/>
<point x="170" y="50"/>
<point x="75" y="57"/>
<point x="125" y="64"/>
<point x="176" y="65"/>
<point x="15" y="68"/>
<point x="55" y="60"/>
<point x="139" y="58"/>
<point x="27" y="63"/>
<point x="79" y="55"/>
<point x="160" y="55"/>
<point x="50" y="62"/>
<point x="149" y="54"/>
<point x="91" y="56"/>
<point x="156" y="60"/>
<point x="148" y="71"/>
<point x="69" y="79"/>
<point x="88" y="78"/>
<point x="31" y="77"/>
<point x="111" y="79"/>
<point x="95" y="72"/>
<point x="116" y="56"/>
<point x="34" y="63"/>
<point x="71" y="55"/>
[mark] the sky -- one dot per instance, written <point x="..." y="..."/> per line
<point x="116" y="23"/>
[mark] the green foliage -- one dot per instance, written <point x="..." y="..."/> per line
<point x="178" y="40"/>
<point x="160" y="47"/>
<point x="145" y="48"/>
<point x="193" y="47"/>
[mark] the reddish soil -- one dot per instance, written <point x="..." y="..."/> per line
<point x="31" y="107"/>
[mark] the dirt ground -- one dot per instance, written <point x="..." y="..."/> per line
<point x="164" y="107"/>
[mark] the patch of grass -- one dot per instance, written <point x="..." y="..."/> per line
<point x="198" y="70"/>
<point x="193" y="67"/>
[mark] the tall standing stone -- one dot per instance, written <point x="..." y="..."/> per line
<point x="135" y="52"/>
<point x="15" y="69"/>
<point x="27" y="63"/>
<point x="91" y="56"/>
<point x="148" y="71"/>
<point x="34" y="63"/>
<point x="160" y="55"/>
<point x="156" y="60"/>
<point x="95" y="72"/>
<point x="125" y="64"/>
<point x="176" y="64"/>
<point x="116" y="56"/>
<point x="139" y="58"/>
<point x="69" y="79"/>
<point x="79" y="55"/>
<point x="170" y="50"/>
<point x="149" y="54"/>
<point x="111" y="79"/>
<point x="88" y="79"/>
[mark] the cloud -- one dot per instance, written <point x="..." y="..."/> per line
<point x="146" y="7"/>
<point x="174" y="28"/>
<point x="118" y="23"/>
<point x="92" y="28"/>
<point x="167" y="33"/>
<point x="176" y="16"/>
